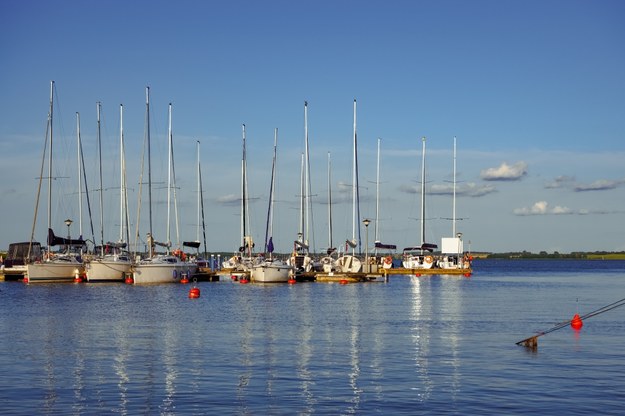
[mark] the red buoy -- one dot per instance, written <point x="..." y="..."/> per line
<point x="292" y="281"/>
<point x="25" y="279"/>
<point x="467" y="275"/>
<point x="129" y="279"/>
<point x="576" y="322"/>
<point x="194" y="293"/>
<point x="184" y="279"/>
<point x="418" y="274"/>
<point x="343" y="281"/>
<point x="78" y="279"/>
<point x="244" y="280"/>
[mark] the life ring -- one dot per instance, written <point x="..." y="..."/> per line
<point x="429" y="259"/>
<point x="388" y="260"/>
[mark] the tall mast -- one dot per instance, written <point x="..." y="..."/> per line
<point x="122" y="184"/>
<point x="453" y="217"/>
<point x="50" y="119"/>
<point x="169" y="179"/>
<point x="269" y="223"/>
<point x="355" y="185"/>
<point x="243" y="192"/>
<point x="377" y="195"/>
<point x="302" y="202"/>
<point x="329" y="203"/>
<point x="78" y="154"/>
<point x="98" y="108"/>
<point x="423" y="192"/>
<point x="199" y="193"/>
<point x="306" y="175"/>
<point x="147" y="129"/>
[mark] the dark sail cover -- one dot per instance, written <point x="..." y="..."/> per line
<point x="59" y="241"/>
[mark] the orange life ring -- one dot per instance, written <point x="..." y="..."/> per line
<point x="388" y="260"/>
<point x="428" y="259"/>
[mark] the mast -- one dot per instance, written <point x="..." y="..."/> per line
<point x="99" y="139"/>
<point x="269" y="226"/>
<point x="355" y="194"/>
<point x="244" y="210"/>
<point x="147" y="126"/>
<point x="199" y="168"/>
<point x="169" y="159"/>
<point x="377" y="199"/>
<point x="50" y="119"/>
<point x="78" y="154"/>
<point x="306" y="176"/>
<point x="197" y="231"/>
<point x="453" y="217"/>
<point x="423" y="192"/>
<point x="329" y="203"/>
<point x="122" y="167"/>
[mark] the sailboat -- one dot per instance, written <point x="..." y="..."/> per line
<point x="161" y="268"/>
<point x="328" y="262"/>
<point x="349" y="263"/>
<point x="300" y="258"/>
<point x="200" y="261"/>
<point x="416" y="257"/>
<point x="271" y="270"/>
<point x="113" y="262"/>
<point x="387" y="261"/>
<point x="241" y="262"/>
<point x="452" y="248"/>
<point x="53" y="267"/>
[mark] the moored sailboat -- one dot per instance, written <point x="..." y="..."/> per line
<point x="113" y="262"/>
<point x="53" y="267"/>
<point x="420" y="257"/>
<point x="271" y="270"/>
<point x="163" y="267"/>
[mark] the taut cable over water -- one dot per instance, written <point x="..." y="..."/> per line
<point x="532" y="342"/>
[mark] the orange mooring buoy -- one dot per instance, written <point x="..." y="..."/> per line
<point x="244" y="280"/>
<point x="418" y="274"/>
<point x="343" y="281"/>
<point x="185" y="278"/>
<point x="576" y="322"/>
<point x="194" y="293"/>
<point x="467" y="275"/>
<point x="292" y="281"/>
<point x="129" y="279"/>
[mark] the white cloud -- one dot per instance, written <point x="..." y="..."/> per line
<point x="598" y="185"/>
<point x="470" y="189"/>
<point x="505" y="172"/>
<point x="542" y="208"/>
<point x="560" y="182"/>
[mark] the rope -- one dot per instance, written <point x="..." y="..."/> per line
<point x="531" y="341"/>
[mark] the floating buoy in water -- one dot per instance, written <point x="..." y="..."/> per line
<point x="185" y="278"/>
<point x="292" y="281"/>
<point x="418" y="274"/>
<point x="244" y="280"/>
<point x="467" y="275"/>
<point x="194" y="293"/>
<point x="343" y="281"/>
<point x="233" y="277"/>
<point x="576" y="322"/>
<point x="25" y="279"/>
<point x="129" y="279"/>
<point x="78" y="279"/>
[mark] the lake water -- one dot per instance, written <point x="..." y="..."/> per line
<point x="412" y="345"/>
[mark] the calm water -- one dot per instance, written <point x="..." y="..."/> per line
<point x="414" y="345"/>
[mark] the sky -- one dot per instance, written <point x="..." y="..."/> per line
<point x="532" y="91"/>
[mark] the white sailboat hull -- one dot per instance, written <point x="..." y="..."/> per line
<point x="107" y="269"/>
<point x="349" y="264"/>
<point x="271" y="272"/>
<point x="53" y="271"/>
<point x="165" y="269"/>
<point x="418" y="262"/>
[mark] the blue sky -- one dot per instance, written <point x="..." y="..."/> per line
<point x="532" y="90"/>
